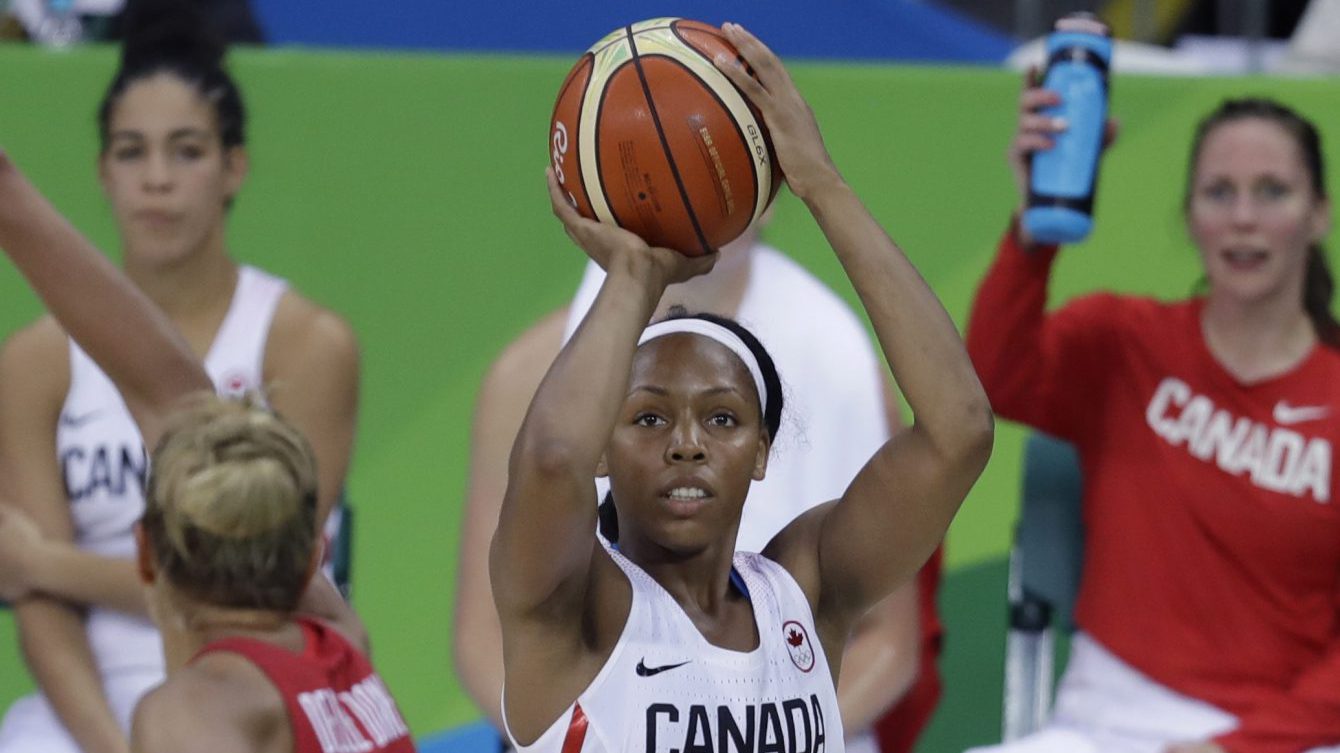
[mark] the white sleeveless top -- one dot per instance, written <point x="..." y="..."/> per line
<point x="104" y="463"/>
<point x="665" y="688"/>
<point x="833" y="420"/>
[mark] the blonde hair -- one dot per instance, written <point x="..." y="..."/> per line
<point x="230" y="509"/>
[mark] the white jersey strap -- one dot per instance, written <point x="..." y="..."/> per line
<point x="244" y="331"/>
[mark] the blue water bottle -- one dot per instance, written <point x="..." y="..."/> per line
<point x="60" y="26"/>
<point x="1063" y="178"/>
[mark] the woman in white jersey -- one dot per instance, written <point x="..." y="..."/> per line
<point x="229" y="535"/>
<point x="674" y="640"/>
<point x="172" y="161"/>
<point x="836" y="417"/>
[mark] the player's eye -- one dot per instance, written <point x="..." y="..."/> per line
<point x="648" y="419"/>
<point x="1271" y="190"/>
<point x="723" y="419"/>
<point x="1219" y="192"/>
<point x="127" y="153"/>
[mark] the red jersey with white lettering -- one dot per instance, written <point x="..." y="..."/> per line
<point x="336" y="701"/>
<point x="1211" y="511"/>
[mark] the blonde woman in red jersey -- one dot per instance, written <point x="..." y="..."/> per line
<point x="1206" y="427"/>
<point x="227" y="545"/>
<point x="229" y="538"/>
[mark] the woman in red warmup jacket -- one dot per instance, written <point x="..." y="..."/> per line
<point x="1208" y="605"/>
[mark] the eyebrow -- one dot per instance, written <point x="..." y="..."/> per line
<point x="1271" y="177"/>
<point x="718" y="391"/>
<point x="178" y="133"/>
<point x="662" y="392"/>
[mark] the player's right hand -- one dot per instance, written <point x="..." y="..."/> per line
<point x="607" y="243"/>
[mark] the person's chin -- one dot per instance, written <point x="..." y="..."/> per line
<point x="159" y="250"/>
<point x="1247" y="286"/>
<point x="687" y="538"/>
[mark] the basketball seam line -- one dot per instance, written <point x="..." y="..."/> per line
<point x="665" y="145"/>
<point x="598" y="48"/>
<point x="739" y="132"/>
<point x="577" y="125"/>
<point x="600" y="161"/>
<point x="711" y="90"/>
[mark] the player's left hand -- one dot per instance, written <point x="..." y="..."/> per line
<point x="1196" y="747"/>
<point x="606" y="242"/>
<point x="801" y="153"/>
<point x="20" y="540"/>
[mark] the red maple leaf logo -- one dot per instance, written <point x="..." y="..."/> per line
<point x="794" y="637"/>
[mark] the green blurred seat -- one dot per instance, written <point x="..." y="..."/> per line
<point x="341" y="555"/>
<point x="1044" y="577"/>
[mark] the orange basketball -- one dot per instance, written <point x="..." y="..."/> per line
<point x="648" y="134"/>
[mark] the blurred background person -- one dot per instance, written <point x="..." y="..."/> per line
<point x="1205" y="429"/>
<point x="64" y="22"/>
<point x="173" y="159"/>
<point x="229" y="537"/>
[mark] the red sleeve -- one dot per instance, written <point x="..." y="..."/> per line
<point x="1303" y="717"/>
<point x="1044" y="370"/>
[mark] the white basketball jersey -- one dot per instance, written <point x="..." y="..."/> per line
<point x="104" y="464"/>
<point x="833" y="420"/>
<point x="665" y="689"/>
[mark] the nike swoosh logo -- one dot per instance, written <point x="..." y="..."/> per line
<point x="644" y="671"/>
<point x="1294" y="414"/>
<point x="75" y="422"/>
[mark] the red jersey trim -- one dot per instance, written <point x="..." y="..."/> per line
<point x="572" y="743"/>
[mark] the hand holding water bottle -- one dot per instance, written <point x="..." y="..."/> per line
<point x="60" y="26"/>
<point x="1063" y="127"/>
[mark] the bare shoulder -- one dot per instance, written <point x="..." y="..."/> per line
<point x="299" y="315"/>
<point x="518" y="369"/>
<point x="535" y="348"/>
<point x="219" y="704"/>
<point x="306" y="333"/>
<point x="38" y="347"/>
<point x="36" y="360"/>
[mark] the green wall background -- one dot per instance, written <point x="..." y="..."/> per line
<point x="406" y="192"/>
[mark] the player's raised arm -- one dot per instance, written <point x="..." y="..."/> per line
<point x="875" y="539"/>
<point x="100" y="308"/>
<point x="547" y="526"/>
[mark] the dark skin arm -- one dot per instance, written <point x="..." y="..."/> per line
<point x="849" y="554"/>
<point x="547" y="570"/>
<point x="883" y="653"/>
